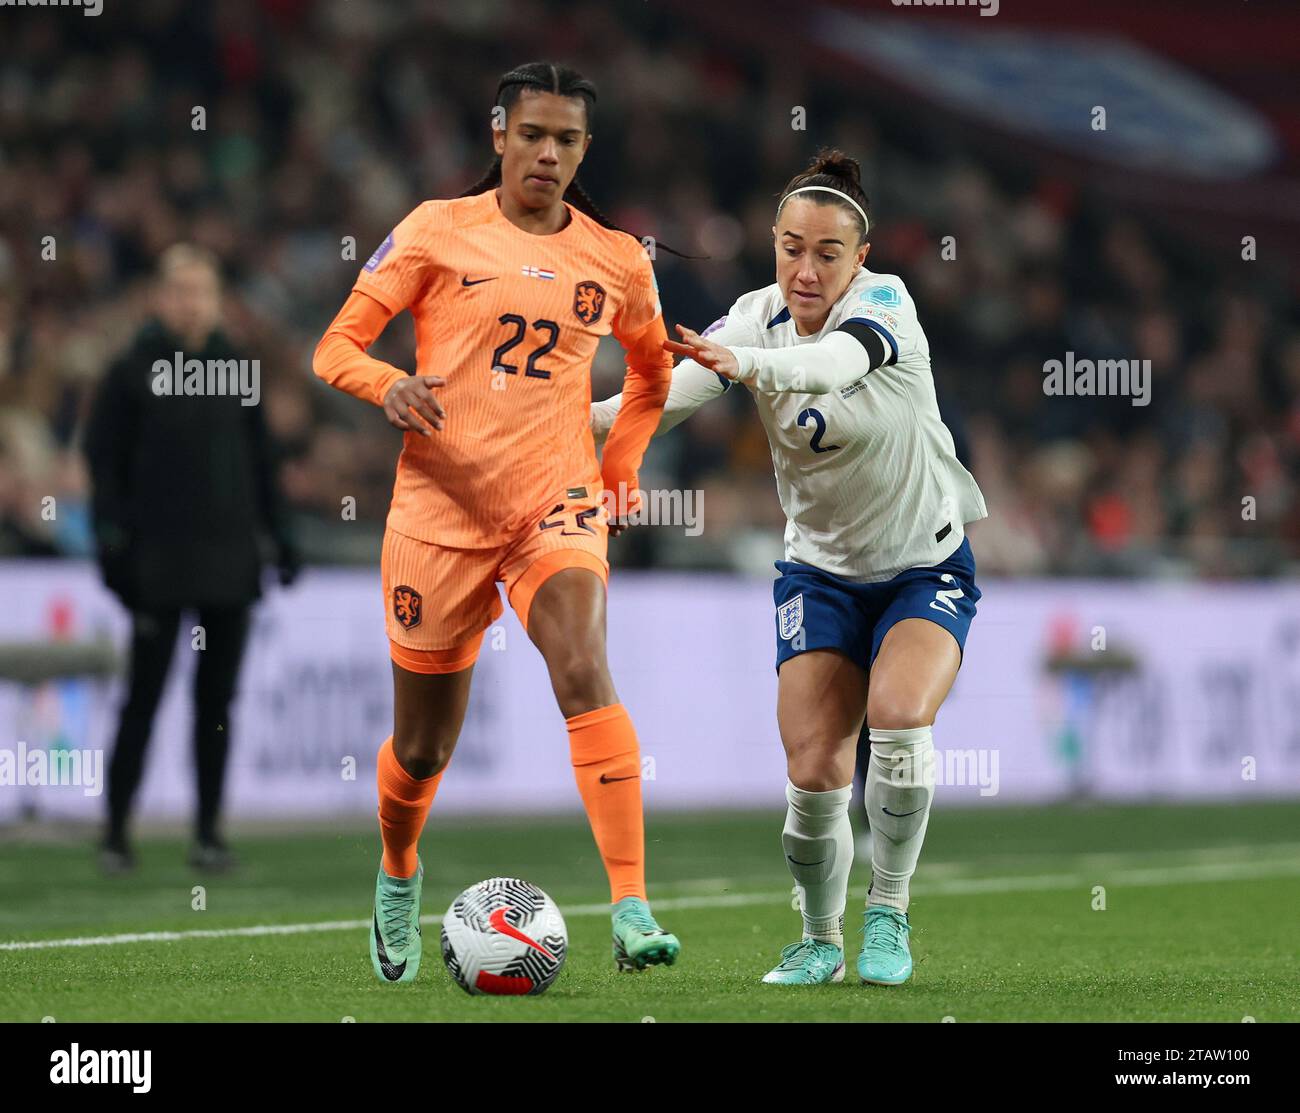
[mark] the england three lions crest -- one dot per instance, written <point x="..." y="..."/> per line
<point x="588" y="302"/>
<point x="789" y="617"/>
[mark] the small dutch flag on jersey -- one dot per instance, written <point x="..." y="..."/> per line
<point x="536" y="272"/>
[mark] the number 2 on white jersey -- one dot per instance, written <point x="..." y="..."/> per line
<point x="816" y="443"/>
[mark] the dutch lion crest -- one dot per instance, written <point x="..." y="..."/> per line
<point x="588" y="301"/>
<point x="406" y="606"/>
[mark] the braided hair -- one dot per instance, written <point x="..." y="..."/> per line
<point x="562" y="81"/>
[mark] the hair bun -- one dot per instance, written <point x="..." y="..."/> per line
<point x="832" y="169"/>
<point x="836" y="164"/>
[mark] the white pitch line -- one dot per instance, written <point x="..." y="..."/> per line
<point x="726" y="900"/>
<point x="953" y="887"/>
<point x="175" y="936"/>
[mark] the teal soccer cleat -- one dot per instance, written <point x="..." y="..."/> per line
<point x="808" y="962"/>
<point x="638" y="940"/>
<point x="886" y="958"/>
<point x="395" y="941"/>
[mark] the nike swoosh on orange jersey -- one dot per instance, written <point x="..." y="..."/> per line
<point x="465" y="281"/>
<point x="498" y="921"/>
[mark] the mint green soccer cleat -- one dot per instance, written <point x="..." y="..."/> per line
<point x="808" y="962"/>
<point x="639" y="941"/>
<point x="885" y="958"/>
<point x="395" y="927"/>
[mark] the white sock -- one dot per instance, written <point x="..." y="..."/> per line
<point x="900" y="787"/>
<point x="818" y="842"/>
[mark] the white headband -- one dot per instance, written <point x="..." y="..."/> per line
<point x="866" y="224"/>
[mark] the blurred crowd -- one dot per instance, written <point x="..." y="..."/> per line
<point x="324" y="123"/>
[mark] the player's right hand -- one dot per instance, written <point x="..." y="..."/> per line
<point x="410" y="404"/>
<point x="705" y="352"/>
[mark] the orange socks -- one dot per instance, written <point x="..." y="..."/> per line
<point x="403" y="807"/>
<point x="607" y="764"/>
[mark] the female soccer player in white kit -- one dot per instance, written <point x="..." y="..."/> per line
<point x="877" y="590"/>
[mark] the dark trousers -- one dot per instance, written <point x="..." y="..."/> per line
<point x="153" y="638"/>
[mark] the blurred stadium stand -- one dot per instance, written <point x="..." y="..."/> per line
<point x="328" y="120"/>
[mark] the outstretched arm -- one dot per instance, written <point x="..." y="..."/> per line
<point x="836" y="360"/>
<point x="639" y="327"/>
<point x="645" y="389"/>
<point x="692" y="386"/>
<point x="692" y="383"/>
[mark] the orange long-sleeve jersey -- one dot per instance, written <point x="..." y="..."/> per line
<point x="511" y="320"/>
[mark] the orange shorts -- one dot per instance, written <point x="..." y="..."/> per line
<point x="438" y="601"/>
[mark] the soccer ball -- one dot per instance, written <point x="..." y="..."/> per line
<point x="504" y="936"/>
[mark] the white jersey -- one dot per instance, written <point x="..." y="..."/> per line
<point x="867" y="474"/>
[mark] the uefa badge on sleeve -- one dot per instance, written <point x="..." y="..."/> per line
<point x="378" y="257"/>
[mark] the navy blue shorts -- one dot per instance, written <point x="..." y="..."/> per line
<point x="815" y="610"/>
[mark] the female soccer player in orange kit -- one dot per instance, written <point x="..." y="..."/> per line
<point x="511" y="287"/>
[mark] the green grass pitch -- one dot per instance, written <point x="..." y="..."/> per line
<point x="1200" y="923"/>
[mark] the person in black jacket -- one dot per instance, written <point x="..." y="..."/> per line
<point x="184" y="493"/>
